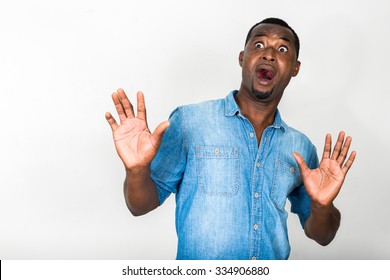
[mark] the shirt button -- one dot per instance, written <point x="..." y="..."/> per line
<point x="253" y="258"/>
<point x="255" y="227"/>
<point x="258" y="164"/>
<point x="251" y="134"/>
<point x="256" y="195"/>
<point x="292" y="169"/>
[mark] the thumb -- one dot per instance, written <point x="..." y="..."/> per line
<point x="158" y="133"/>
<point x="301" y="164"/>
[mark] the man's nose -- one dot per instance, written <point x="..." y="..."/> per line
<point x="268" y="54"/>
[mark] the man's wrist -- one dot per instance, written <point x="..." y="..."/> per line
<point x="321" y="209"/>
<point x="138" y="171"/>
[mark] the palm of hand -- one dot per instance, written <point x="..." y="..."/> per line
<point x="324" y="183"/>
<point x="134" y="142"/>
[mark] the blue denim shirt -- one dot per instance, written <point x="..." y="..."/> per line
<point x="230" y="192"/>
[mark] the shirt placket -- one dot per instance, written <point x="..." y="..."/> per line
<point x="256" y="197"/>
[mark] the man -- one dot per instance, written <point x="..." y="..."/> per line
<point x="233" y="162"/>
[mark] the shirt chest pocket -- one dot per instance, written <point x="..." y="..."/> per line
<point x="286" y="178"/>
<point x="217" y="170"/>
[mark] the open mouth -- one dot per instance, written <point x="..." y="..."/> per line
<point x="265" y="74"/>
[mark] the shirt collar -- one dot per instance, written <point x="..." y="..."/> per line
<point x="278" y="122"/>
<point x="232" y="109"/>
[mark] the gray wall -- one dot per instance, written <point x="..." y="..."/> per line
<point x="60" y="178"/>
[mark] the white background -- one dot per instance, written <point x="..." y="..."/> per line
<point x="61" y="191"/>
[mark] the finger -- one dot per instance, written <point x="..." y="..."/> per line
<point x="118" y="105"/>
<point x="111" y="121"/>
<point x="327" y="146"/>
<point x="127" y="106"/>
<point x="344" y="150"/>
<point x="349" y="162"/>
<point x="337" y="147"/>
<point x="158" y="133"/>
<point x="141" y="108"/>
<point x="301" y="164"/>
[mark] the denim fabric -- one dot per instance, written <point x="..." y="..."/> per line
<point x="230" y="192"/>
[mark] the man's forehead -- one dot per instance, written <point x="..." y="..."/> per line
<point x="272" y="30"/>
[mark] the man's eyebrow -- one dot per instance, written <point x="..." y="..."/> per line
<point x="265" y="35"/>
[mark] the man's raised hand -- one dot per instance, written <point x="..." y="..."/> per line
<point x="324" y="183"/>
<point x="134" y="143"/>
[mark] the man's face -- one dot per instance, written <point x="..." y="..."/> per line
<point x="268" y="62"/>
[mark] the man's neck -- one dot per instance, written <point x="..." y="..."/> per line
<point x="260" y="114"/>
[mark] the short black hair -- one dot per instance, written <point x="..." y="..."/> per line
<point x="280" y="22"/>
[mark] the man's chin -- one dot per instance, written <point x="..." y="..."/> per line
<point x="261" y="95"/>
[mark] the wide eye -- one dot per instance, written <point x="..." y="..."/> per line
<point x="283" y="49"/>
<point x="259" y="45"/>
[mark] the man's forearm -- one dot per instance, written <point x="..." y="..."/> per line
<point x="323" y="224"/>
<point x="140" y="191"/>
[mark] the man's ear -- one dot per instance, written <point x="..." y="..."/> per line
<point x="296" y="69"/>
<point x="241" y="57"/>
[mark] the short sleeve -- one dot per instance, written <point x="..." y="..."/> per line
<point x="300" y="201"/>
<point x="168" y="166"/>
